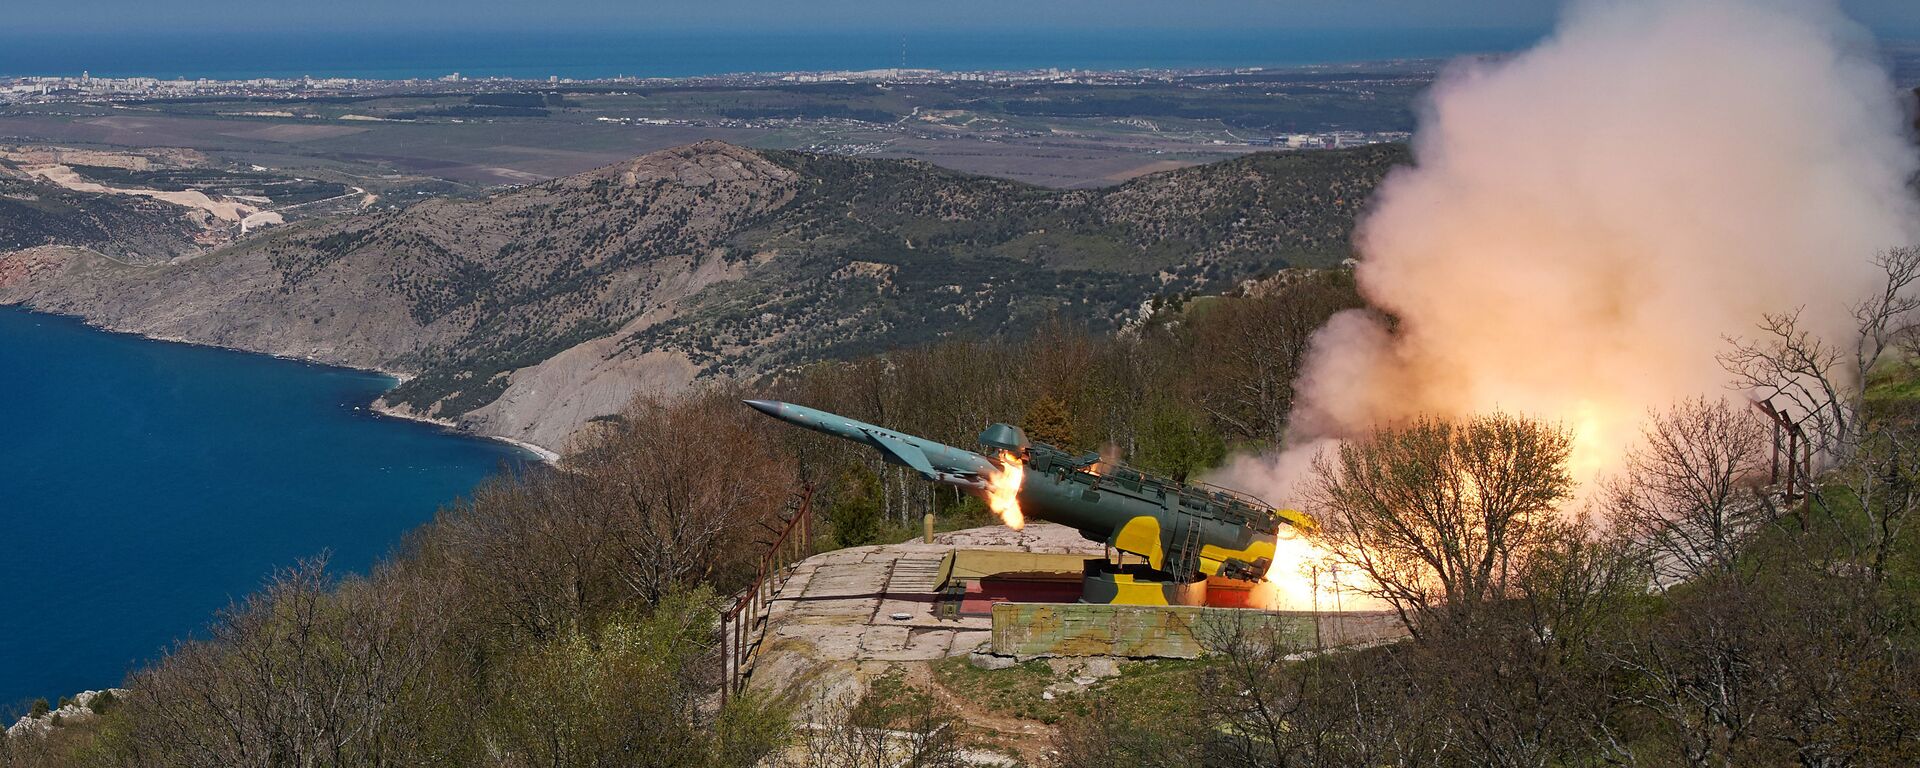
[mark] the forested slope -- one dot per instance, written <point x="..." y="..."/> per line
<point x="127" y="228"/>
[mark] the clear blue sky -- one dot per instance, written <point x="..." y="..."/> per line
<point x="91" y="16"/>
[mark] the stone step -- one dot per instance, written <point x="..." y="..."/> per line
<point x="914" y="576"/>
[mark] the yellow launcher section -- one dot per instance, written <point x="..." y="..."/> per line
<point x="1142" y="536"/>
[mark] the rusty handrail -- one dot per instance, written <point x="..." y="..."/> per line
<point x="743" y="623"/>
<point x="1798" y="454"/>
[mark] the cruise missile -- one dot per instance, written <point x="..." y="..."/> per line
<point x="1179" y="533"/>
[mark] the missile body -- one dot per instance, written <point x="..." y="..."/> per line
<point x="938" y="462"/>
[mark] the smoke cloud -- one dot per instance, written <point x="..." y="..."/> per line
<point x="1586" y="222"/>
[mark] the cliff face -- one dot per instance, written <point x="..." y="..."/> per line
<point x="530" y="312"/>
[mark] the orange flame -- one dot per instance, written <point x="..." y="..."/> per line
<point x="1305" y="576"/>
<point x="1003" y="489"/>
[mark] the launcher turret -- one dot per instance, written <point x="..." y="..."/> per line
<point x="1177" y="534"/>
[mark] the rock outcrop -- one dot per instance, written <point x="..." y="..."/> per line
<point x="80" y="708"/>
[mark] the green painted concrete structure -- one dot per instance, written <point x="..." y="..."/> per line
<point x="1038" y="630"/>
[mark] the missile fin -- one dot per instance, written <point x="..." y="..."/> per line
<point x="908" y="453"/>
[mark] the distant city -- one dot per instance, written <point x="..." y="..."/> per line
<point x="49" y="89"/>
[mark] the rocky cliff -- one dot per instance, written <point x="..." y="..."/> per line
<point x="528" y="313"/>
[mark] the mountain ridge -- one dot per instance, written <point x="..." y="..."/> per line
<point x="530" y="312"/>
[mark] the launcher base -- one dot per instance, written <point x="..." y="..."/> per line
<point x="1107" y="584"/>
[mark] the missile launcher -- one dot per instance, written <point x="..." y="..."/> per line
<point x="1165" y="538"/>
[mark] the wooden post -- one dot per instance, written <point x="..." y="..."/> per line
<point x="739" y="650"/>
<point x="1806" y="463"/>
<point x="1793" y="462"/>
<point x="1774" y="477"/>
<point x="1806" y="476"/>
<point x="927" y="526"/>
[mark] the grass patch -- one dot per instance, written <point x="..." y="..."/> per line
<point x="1161" y="686"/>
<point x="1016" y="691"/>
<point x="1893" y="381"/>
<point x="1020" y="691"/>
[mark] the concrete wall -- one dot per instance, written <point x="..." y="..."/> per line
<point x="1031" y="630"/>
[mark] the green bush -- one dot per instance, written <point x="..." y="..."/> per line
<point x="1176" y="440"/>
<point x="855" y="511"/>
<point x="630" y="693"/>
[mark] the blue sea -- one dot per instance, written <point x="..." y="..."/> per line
<point x="542" y="54"/>
<point x="145" y="484"/>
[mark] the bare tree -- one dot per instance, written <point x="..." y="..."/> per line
<point x="528" y="554"/>
<point x="1694" y="676"/>
<point x="630" y="693"/>
<point x="1806" y="377"/>
<point x="1247" y="355"/>
<point x="1528" y="686"/>
<point x="892" y="725"/>
<point x="1690" y="491"/>
<point x="295" y="676"/>
<point x="1436" y="513"/>
<point x="1112" y="731"/>
<point x="686" y="488"/>
<point x="1822" y="383"/>
<point x="1884" y="480"/>
<point x="1823" y="380"/>
<point x="1269" y="719"/>
<point x="1260" y="704"/>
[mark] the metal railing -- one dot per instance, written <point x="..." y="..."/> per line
<point x="744" y="624"/>
<point x="1793" y="453"/>
<point x="1795" y="448"/>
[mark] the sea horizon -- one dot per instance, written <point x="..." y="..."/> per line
<point x="535" y="55"/>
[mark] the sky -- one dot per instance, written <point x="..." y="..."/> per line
<point x="74" y="17"/>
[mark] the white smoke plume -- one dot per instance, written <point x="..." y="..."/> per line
<point x="1586" y="222"/>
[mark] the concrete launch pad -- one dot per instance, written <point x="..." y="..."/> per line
<point x="845" y="617"/>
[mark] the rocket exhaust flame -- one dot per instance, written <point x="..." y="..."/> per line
<point x="1306" y="576"/>
<point x="1003" y="489"/>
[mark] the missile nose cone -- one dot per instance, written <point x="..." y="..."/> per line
<point x="768" y="407"/>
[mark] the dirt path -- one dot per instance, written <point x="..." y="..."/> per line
<point x="1029" y="739"/>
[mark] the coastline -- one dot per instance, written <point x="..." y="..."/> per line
<point x="380" y="408"/>
<point x="377" y="407"/>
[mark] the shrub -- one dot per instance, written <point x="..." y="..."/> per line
<point x="855" y="511"/>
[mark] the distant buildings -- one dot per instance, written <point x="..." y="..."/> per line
<point x="110" y="88"/>
<point x="1330" y="139"/>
